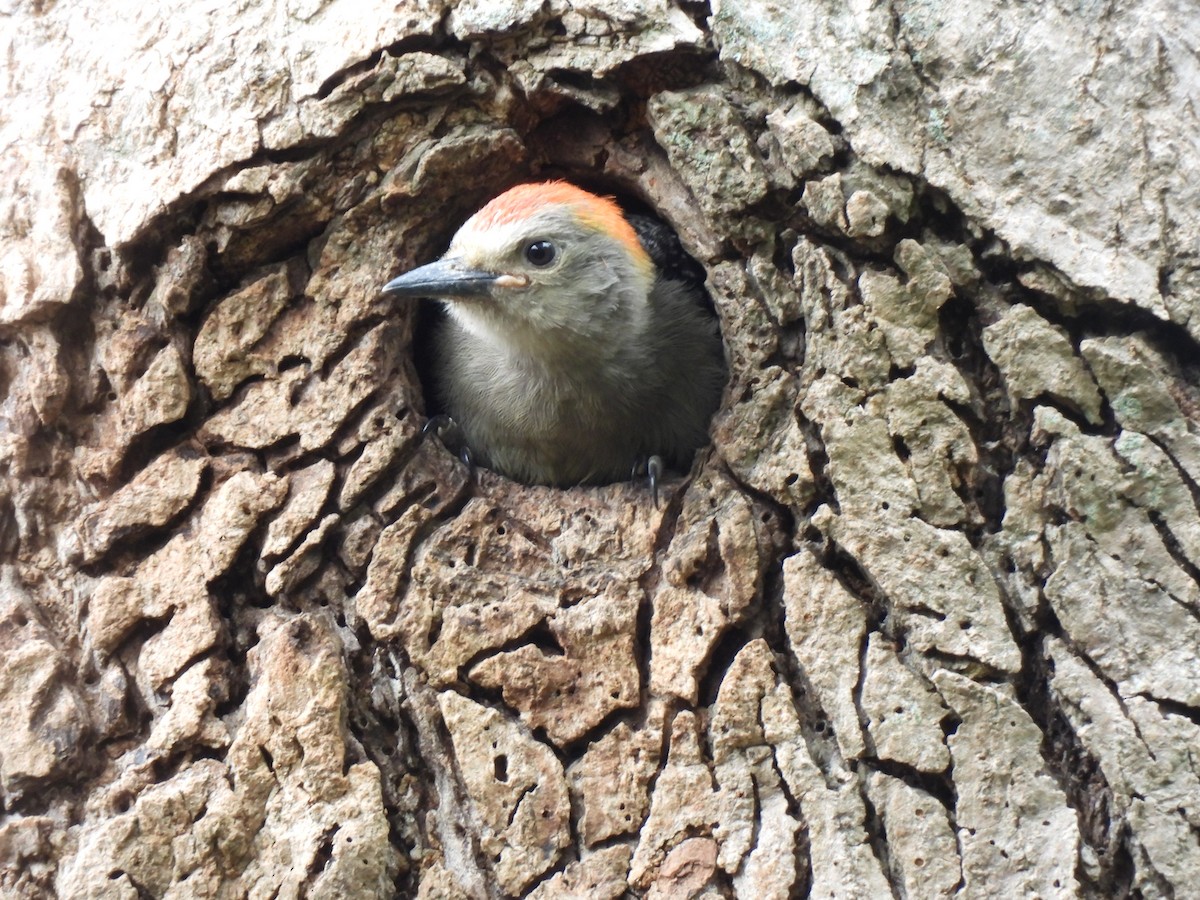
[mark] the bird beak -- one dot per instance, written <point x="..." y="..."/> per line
<point x="444" y="278"/>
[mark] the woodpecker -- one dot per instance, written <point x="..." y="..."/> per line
<point x="569" y="355"/>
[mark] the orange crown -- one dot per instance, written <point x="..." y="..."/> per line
<point x="600" y="213"/>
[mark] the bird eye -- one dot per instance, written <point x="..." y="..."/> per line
<point x="540" y="253"/>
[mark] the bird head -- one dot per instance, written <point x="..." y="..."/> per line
<point x="546" y="262"/>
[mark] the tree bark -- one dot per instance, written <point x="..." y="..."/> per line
<point x="924" y="619"/>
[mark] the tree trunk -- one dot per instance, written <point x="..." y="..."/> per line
<point x="924" y="619"/>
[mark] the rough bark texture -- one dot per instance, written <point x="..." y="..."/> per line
<point x="924" y="621"/>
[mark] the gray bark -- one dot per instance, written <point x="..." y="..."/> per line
<point x="923" y="621"/>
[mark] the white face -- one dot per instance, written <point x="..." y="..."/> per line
<point x="557" y="274"/>
<point x="501" y="247"/>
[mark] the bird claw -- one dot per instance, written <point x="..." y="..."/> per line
<point x="652" y="468"/>
<point x="447" y="431"/>
<point x="654" y="471"/>
<point x="437" y="424"/>
<point x="467" y="460"/>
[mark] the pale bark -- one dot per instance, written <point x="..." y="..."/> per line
<point x="923" y="621"/>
